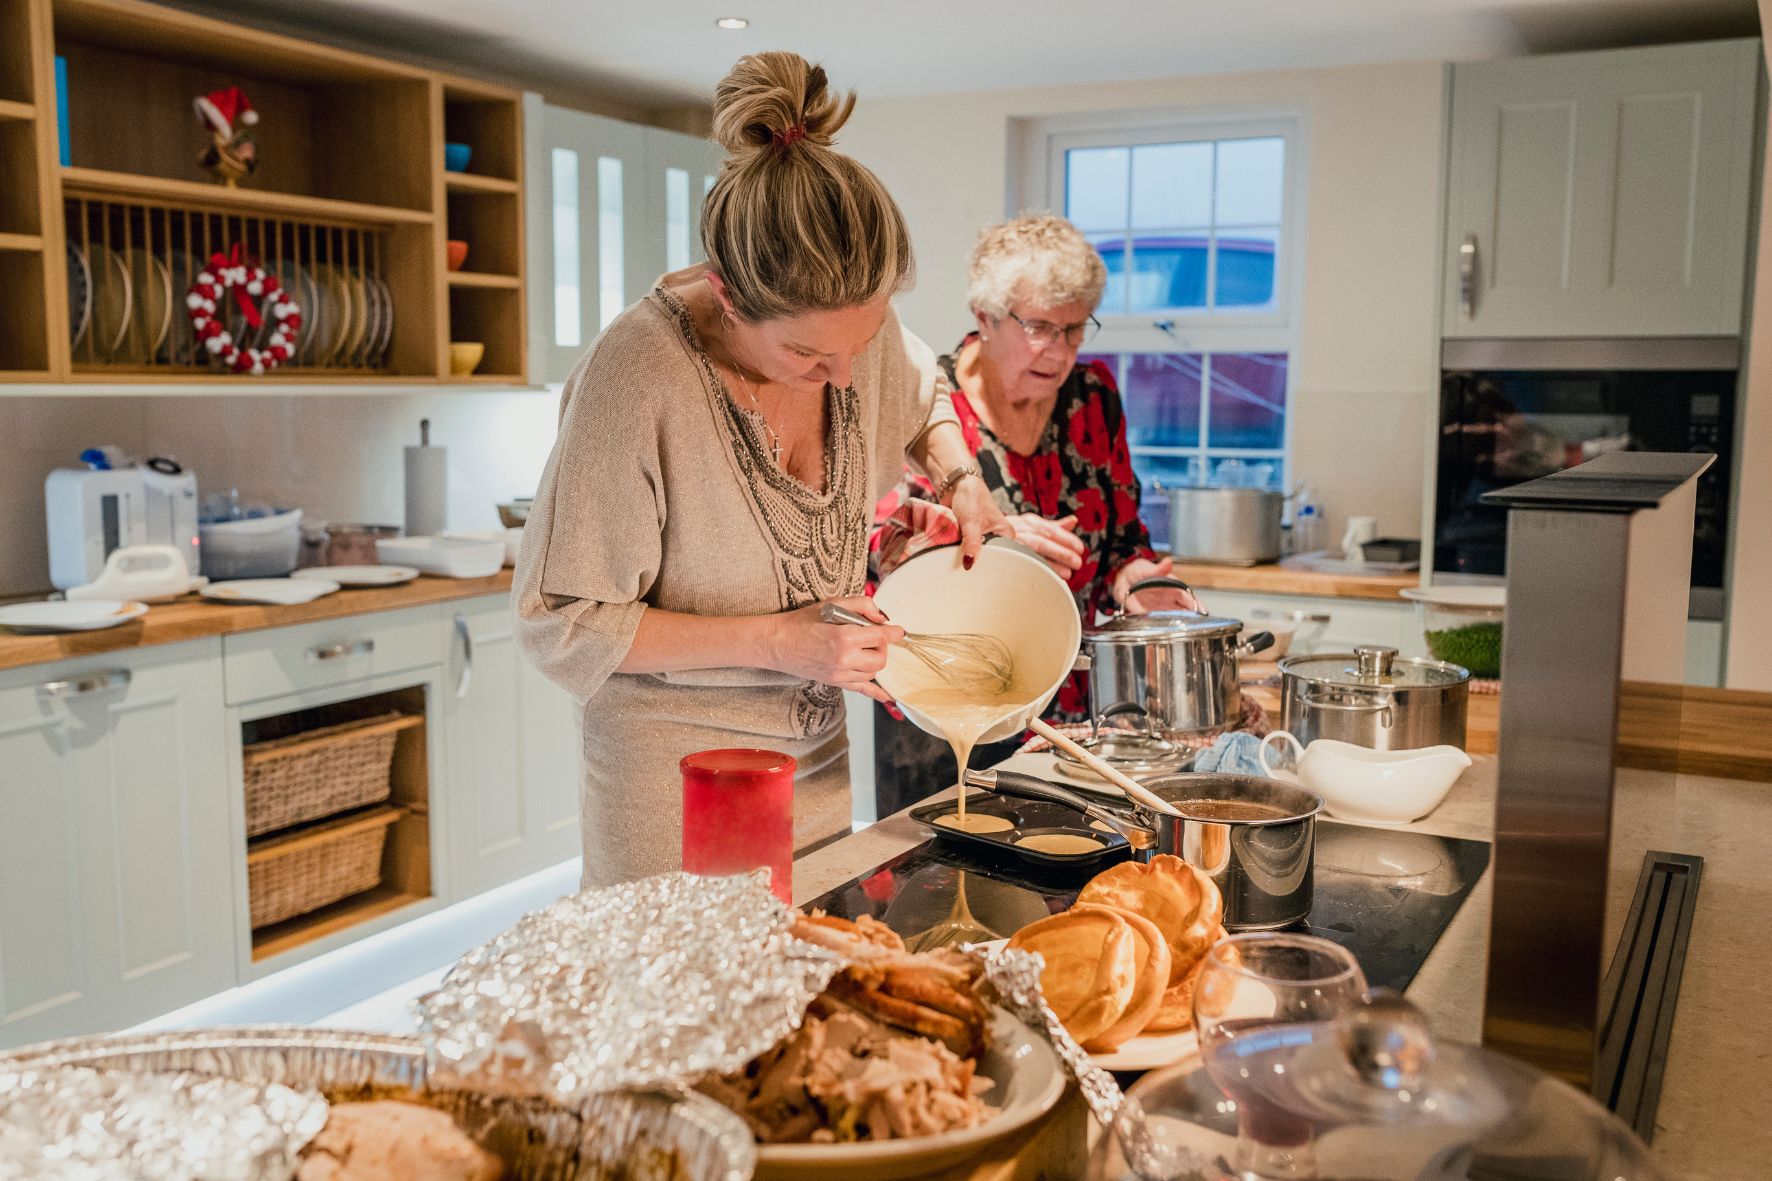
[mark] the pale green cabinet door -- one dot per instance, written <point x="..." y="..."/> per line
<point x="116" y="847"/>
<point x="513" y="756"/>
<point x="1601" y="194"/>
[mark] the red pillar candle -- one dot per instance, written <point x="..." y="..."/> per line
<point x="738" y="815"/>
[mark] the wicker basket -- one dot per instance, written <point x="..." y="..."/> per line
<point x="320" y="772"/>
<point x="298" y="872"/>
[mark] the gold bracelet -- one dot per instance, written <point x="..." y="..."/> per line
<point x="954" y="477"/>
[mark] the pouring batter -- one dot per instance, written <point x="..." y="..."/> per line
<point x="963" y="718"/>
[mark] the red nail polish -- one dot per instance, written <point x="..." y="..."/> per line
<point x="896" y="713"/>
<point x="966" y="562"/>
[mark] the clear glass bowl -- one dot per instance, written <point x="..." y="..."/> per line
<point x="1463" y="625"/>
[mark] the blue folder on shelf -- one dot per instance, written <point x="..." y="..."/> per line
<point x="61" y="107"/>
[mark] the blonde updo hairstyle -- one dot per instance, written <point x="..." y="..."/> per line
<point x="791" y="225"/>
<point x="1037" y="258"/>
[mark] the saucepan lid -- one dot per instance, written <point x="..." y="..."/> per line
<point x="1374" y="666"/>
<point x="1132" y="754"/>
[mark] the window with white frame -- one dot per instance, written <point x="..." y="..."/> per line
<point x="1197" y="223"/>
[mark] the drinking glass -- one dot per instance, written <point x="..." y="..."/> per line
<point x="1261" y="1002"/>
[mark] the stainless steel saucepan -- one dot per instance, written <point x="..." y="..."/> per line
<point x="1179" y="668"/>
<point x="1254" y="837"/>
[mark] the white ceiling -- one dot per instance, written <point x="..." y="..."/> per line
<point x="667" y="52"/>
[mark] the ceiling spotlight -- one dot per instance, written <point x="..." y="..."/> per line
<point x="733" y="22"/>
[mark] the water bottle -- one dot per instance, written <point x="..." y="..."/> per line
<point x="1307" y="525"/>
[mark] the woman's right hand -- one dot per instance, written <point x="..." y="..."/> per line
<point x="1055" y="541"/>
<point x="846" y="655"/>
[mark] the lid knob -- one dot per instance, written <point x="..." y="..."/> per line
<point x="1386" y="1041"/>
<point x="1374" y="661"/>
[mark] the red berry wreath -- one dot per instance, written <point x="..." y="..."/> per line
<point x="248" y="284"/>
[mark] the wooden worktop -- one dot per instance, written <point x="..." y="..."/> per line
<point x="1288" y="577"/>
<point x="193" y="617"/>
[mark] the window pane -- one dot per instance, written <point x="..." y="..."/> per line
<point x="676" y="219"/>
<point x="1247" y="400"/>
<point x="1168" y="270"/>
<point x="1112" y="248"/>
<point x="1244" y="267"/>
<point x="611" y="292"/>
<point x="1095" y="187"/>
<point x="1172" y="185"/>
<point x="1162" y="396"/>
<point x="1250" y="181"/>
<point x="567" y="315"/>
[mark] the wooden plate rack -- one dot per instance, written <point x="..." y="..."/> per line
<point x="351" y="181"/>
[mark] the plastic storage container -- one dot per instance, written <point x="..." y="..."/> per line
<point x="1462" y="624"/>
<point x="258" y="547"/>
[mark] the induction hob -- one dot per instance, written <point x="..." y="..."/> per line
<point x="1384" y="895"/>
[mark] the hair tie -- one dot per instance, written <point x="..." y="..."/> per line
<point x="787" y="139"/>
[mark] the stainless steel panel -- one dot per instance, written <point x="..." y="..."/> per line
<point x="1553" y="810"/>
<point x="1596" y="352"/>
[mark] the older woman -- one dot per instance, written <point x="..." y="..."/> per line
<point x="719" y="450"/>
<point x="1049" y="437"/>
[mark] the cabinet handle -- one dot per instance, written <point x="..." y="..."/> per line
<point x="335" y="651"/>
<point x="84" y="686"/>
<point x="1467" y="276"/>
<point x="467" y="656"/>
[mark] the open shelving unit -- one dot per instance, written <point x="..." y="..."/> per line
<point x="351" y="205"/>
<point x="405" y="870"/>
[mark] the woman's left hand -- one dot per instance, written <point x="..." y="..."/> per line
<point x="976" y="510"/>
<point x="1156" y="598"/>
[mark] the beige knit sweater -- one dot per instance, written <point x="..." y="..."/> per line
<point x="661" y="492"/>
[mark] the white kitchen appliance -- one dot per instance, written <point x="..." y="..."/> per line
<point x="92" y="512"/>
<point x="145" y="573"/>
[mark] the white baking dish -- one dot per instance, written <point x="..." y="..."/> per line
<point x="452" y="557"/>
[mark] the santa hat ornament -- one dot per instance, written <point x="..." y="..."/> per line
<point x="221" y="109"/>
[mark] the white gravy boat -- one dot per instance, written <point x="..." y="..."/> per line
<point x="1373" y="786"/>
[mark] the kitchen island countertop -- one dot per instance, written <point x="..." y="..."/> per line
<point x="1709" y="1126"/>
<point x="193" y="617"/>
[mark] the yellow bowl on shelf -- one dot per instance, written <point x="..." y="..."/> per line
<point x="464" y="356"/>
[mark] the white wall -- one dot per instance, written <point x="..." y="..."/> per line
<point x="337" y="457"/>
<point x="1367" y="367"/>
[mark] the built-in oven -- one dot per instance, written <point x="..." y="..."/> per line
<point x="1516" y="411"/>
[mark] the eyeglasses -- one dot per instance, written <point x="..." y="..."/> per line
<point x="1041" y="333"/>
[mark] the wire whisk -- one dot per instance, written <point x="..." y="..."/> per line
<point x="971" y="662"/>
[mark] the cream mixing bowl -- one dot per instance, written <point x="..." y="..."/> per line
<point x="1010" y="594"/>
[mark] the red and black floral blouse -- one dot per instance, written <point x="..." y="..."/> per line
<point x="1082" y="467"/>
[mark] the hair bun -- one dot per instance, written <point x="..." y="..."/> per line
<point x="767" y="95"/>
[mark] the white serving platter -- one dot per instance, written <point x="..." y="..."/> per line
<point x="85" y="616"/>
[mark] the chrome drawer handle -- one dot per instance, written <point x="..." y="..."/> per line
<point x="335" y="651"/>
<point x="85" y="686"/>
<point x="1467" y="276"/>
<point x="467" y="656"/>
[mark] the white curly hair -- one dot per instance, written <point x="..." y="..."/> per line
<point x="1037" y="258"/>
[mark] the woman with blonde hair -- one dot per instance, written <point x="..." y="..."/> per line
<point x="1048" y="433"/>
<point x="720" y="449"/>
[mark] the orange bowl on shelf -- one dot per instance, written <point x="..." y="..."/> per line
<point x="464" y="356"/>
<point x="458" y="253"/>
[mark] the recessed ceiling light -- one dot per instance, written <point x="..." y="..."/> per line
<point x="733" y="22"/>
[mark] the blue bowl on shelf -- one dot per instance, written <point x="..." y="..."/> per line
<point x="456" y="156"/>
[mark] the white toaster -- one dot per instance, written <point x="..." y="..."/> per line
<point x="93" y="512"/>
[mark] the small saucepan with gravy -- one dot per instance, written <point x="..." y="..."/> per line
<point x="1255" y="838"/>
